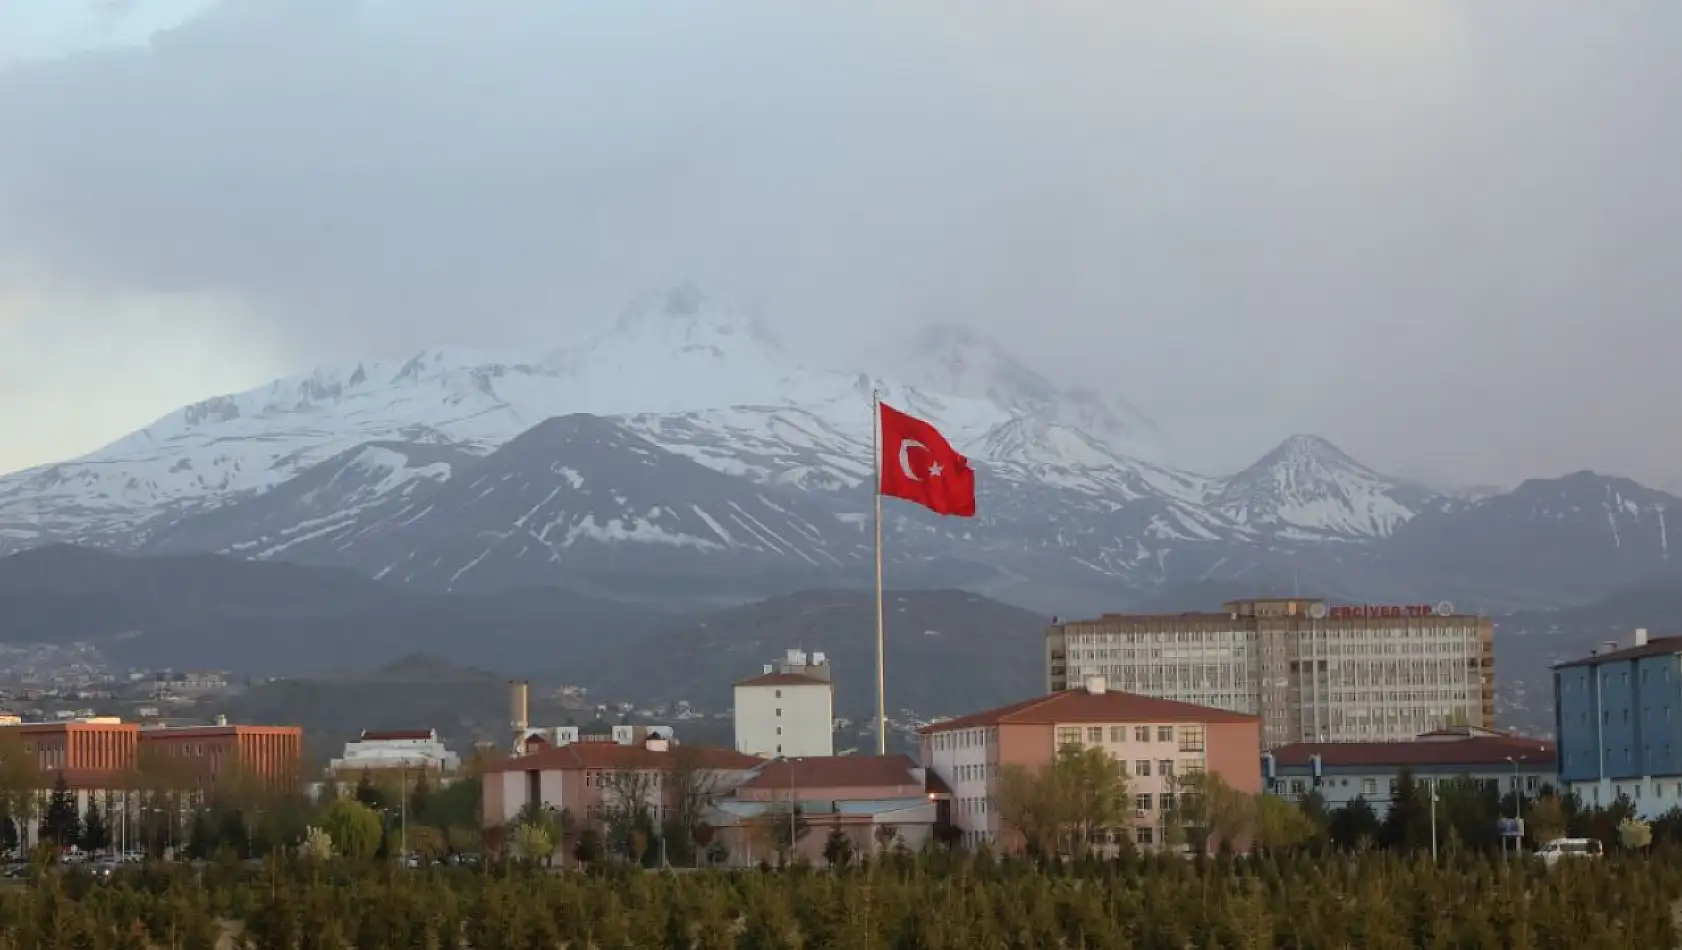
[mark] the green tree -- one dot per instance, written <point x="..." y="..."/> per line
<point x="1544" y="820"/>
<point x="1407" y="825"/>
<point x="1356" y="825"/>
<point x="1635" y="834"/>
<point x="1280" y="826"/>
<point x="61" y="823"/>
<point x="1081" y="791"/>
<point x="838" y="848"/>
<point x="96" y="834"/>
<point x="370" y="794"/>
<point x="354" y="828"/>
<point x="534" y="842"/>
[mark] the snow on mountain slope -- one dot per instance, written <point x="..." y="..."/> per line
<point x="677" y="361"/>
<point x="1308" y="488"/>
<point x="955" y="359"/>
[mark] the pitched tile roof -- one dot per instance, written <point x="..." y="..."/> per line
<point x="611" y="755"/>
<point x="1477" y="750"/>
<point x="783" y="679"/>
<point x="1658" y="646"/>
<point x="836" y="771"/>
<point x="1078" y="705"/>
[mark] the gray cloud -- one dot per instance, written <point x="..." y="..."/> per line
<point x="1443" y="235"/>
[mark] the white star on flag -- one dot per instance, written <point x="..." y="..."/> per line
<point x="935" y="470"/>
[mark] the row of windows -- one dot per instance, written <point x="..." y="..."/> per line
<point x="965" y="738"/>
<point x="1191" y="737"/>
<point x="1369" y="786"/>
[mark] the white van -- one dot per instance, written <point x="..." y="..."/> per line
<point x="1560" y="848"/>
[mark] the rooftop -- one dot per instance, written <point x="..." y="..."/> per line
<point x="611" y="755"/>
<point x="1081" y="706"/>
<point x="836" y="771"/>
<point x="1658" y="646"/>
<point x="1475" y="750"/>
<point x="783" y="679"/>
<point x="398" y="735"/>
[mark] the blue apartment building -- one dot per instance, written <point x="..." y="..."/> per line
<point x="1618" y="720"/>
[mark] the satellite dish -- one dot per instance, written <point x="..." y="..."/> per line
<point x="1445" y="608"/>
<point x="1317" y="610"/>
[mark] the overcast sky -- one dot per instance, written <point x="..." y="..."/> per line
<point x="1444" y="235"/>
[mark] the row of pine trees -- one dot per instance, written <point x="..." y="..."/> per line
<point x="938" y="900"/>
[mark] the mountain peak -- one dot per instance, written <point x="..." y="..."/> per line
<point x="685" y="317"/>
<point x="1310" y="485"/>
<point x="1306" y="449"/>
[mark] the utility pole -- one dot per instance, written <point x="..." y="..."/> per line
<point x="1433" y="820"/>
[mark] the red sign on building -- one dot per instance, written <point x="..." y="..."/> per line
<point x="1383" y="610"/>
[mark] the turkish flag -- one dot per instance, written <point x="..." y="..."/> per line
<point x="919" y="465"/>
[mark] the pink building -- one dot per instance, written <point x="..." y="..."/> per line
<point x="579" y="776"/>
<point x="1158" y="740"/>
<point x="875" y="801"/>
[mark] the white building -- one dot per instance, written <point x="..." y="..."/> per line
<point x="409" y="749"/>
<point x="1344" y="771"/>
<point x="788" y="710"/>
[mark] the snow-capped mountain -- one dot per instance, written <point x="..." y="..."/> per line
<point x="1308" y="488"/>
<point x="684" y="442"/>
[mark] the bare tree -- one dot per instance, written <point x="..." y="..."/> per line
<point x="629" y="796"/>
<point x="690" y="790"/>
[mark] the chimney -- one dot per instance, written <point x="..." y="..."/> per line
<point x="518" y="719"/>
<point x="1611" y="646"/>
<point x="1095" y="684"/>
<point x="1640" y="636"/>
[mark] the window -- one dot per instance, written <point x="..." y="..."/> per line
<point x="1141" y="733"/>
<point x="1369" y="786"/>
<point x="779" y="710"/>
<point x="1068" y="735"/>
<point x="1165" y="733"/>
<point x="779" y="749"/>
<point x="1142" y="768"/>
<point x="1297" y="787"/>
<point x="1118" y="733"/>
<point x="1191" y="739"/>
<point x="1094" y="734"/>
<point x="1165" y="800"/>
<point x="779" y="694"/>
<point x="779" y="730"/>
<point x="1142" y="834"/>
<point x="1165" y="768"/>
<point x="1142" y="802"/>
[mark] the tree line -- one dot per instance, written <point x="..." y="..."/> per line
<point x="939" y="899"/>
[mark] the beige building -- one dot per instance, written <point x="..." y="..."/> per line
<point x="1313" y="671"/>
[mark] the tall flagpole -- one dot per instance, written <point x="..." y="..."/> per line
<point x="881" y="661"/>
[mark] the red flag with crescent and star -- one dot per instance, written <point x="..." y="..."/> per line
<point x="919" y="465"/>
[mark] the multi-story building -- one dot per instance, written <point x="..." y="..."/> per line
<point x="1344" y="771"/>
<point x="1312" y="671"/>
<point x="1618" y="721"/>
<point x="119" y="764"/>
<point x="787" y="710"/>
<point x="1158" y="740"/>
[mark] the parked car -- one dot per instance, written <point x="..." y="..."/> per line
<point x="1560" y="849"/>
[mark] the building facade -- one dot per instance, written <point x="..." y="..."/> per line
<point x="1158" y="740"/>
<point x="1618" y="720"/>
<point x="787" y="710"/>
<point x="413" y="750"/>
<point x="875" y="802"/>
<point x="124" y="768"/>
<point x="1313" y="671"/>
<point x="583" y="778"/>
<point x="1341" y="772"/>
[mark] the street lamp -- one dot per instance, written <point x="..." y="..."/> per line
<point x="1433" y="819"/>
